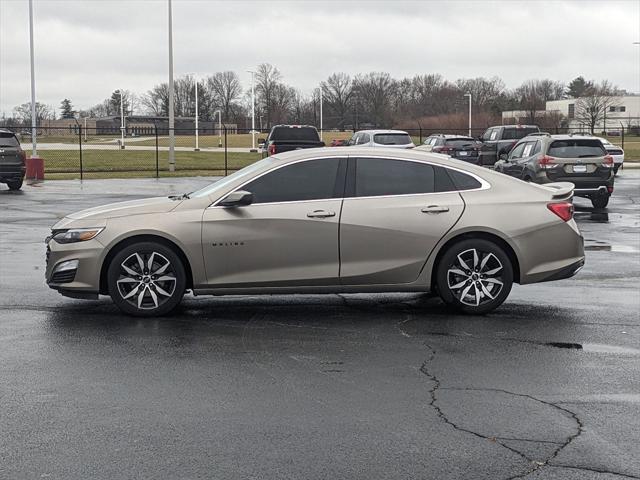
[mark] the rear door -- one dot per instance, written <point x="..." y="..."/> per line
<point x="393" y="215"/>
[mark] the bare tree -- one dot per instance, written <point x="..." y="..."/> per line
<point x="375" y="92"/>
<point x="337" y="91"/>
<point x="23" y="113"/>
<point x="267" y="79"/>
<point x="225" y="90"/>
<point x="533" y="95"/>
<point x="592" y="108"/>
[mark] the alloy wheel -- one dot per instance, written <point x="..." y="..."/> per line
<point x="475" y="277"/>
<point x="146" y="280"/>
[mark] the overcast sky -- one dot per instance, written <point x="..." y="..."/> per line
<point x="86" y="49"/>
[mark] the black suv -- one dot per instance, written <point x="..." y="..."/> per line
<point x="578" y="159"/>
<point x="12" y="160"/>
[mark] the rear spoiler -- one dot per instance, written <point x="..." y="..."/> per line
<point x="560" y="190"/>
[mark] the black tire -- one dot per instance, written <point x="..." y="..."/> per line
<point x="488" y="291"/>
<point x="157" y="288"/>
<point x="599" y="202"/>
<point x="615" y="169"/>
<point x="15" y="185"/>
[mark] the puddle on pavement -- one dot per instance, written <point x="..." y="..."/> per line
<point x="595" y="348"/>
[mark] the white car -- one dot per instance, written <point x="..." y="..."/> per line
<point x="615" y="151"/>
<point x="381" y="138"/>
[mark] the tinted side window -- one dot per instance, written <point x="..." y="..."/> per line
<point x="517" y="151"/>
<point x="365" y="138"/>
<point x="310" y="180"/>
<point x="377" y="176"/>
<point x="462" y="181"/>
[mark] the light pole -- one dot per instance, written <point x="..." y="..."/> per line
<point x="253" y="111"/>
<point x="85" y="129"/>
<point x="197" y="149"/>
<point x="219" y="112"/>
<point x="172" y="138"/>
<point x="121" y="120"/>
<point x="320" y="89"/>
<point x="34" y="133"/>
<point x="469" y="95"/>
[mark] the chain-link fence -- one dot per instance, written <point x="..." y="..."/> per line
<point x="78" y="152"/>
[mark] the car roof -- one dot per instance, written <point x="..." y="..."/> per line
<point x="373" y="132"/>
<point x="516" y="126"/>
<point x="6" y="130"/>
<point x="451" y="135"/>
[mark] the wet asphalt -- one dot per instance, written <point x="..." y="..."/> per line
<point x="310" y="387"/>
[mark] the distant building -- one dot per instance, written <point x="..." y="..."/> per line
<point x="625" y="112"/>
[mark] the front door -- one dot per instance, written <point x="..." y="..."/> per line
<point x="397" y="212"/>
<point x="287" y="236"/>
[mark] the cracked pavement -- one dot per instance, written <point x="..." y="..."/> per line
<point x="313" y="386"/>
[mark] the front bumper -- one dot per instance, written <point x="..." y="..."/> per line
<point x="81" y="281"/>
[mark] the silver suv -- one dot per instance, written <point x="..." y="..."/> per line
<point x="382" y="138"/>
<point x="581" y="160"/>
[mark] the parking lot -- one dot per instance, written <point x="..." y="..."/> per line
<point x="335" y="386"/>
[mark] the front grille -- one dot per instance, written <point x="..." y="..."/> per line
<point x="66" y="276"/>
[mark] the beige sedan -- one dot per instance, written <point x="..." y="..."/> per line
<point x="324" y="221"/>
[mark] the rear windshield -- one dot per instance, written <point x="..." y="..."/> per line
<point x="305" y="134"/>
<point x="517" y="133"/>
<point x="576" y="148"/>
<point x="392" y="138"/>
<point x="8" y="140"/>
<point x="459" y="142"/>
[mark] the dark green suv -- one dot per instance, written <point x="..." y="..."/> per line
<point x="579" y="159"/>
<point x="12" y="160"/>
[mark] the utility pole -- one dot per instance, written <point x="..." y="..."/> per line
<point x="253" y="111"/>
<point x="121" y="120"/>
<point x="172" y="138"/>
<point x="219" y="112"/>
<point x="469" y="95"/>
<point x="34" y="132"/>
<point x="321" y="139"/>
<point x="197" y="149"/>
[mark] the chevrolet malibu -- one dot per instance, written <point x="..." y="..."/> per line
<point x="324" y="221"/>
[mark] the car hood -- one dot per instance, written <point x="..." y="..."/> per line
<point x="125" y="209"/>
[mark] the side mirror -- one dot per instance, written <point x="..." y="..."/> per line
<point x="322" y="144"/>
<point x="239" y="198"/>
<point x="262" y="141"/>
<point x="504" y="156"/>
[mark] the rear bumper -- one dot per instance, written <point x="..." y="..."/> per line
<point x="12" y="173"/>
<point x="566" y="272"/>
<point x="582" y="192"/>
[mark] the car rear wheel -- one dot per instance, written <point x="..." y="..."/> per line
<point x="474" y="276"/>
<point x="601" y="201"/>
<point x="146" y="279"/>
<point x="15" y="185"/>
<point x="615" y="169"/>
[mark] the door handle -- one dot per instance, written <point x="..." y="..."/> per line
<point x="321" y="214"/>
<point x="435" y="209"/>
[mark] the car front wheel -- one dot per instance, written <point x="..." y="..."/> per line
<point x="146" y="279"/>
<point x="474" y="276"/>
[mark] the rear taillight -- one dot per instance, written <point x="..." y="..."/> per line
<point x="272" y="149"/>
<point x="446" y="150"/>
<point x="610" y="189"/>
<point x="547" y="162"/>
<point x="564" y="210"/>
<point x="608" y="162"/>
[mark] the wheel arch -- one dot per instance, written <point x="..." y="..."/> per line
<point x="137" y="239"/>
<point x="492" y="237"/>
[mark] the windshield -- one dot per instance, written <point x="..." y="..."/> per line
<point x="392" y="139"/>
<point x="576" y="148"/>
<point x="223" y="182"/>
<point x="8" y="140"/>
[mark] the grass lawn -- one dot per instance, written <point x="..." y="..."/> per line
<point x="65" y="164"/>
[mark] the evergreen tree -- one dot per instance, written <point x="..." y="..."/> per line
<point x="579" y="87"/>
<point x="67" y="109"/>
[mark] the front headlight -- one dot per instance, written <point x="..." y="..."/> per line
<point x="76" y="234"/>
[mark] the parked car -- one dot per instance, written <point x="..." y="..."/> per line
<point x="581" y="160"/>
<point x="324" y="221"/>
<point x="382" y="138"/>
<point x="12" y="160"/>
<point x="616" y="152"/>
<point x="456" y="146"/>
<point x="283" y="138"/>
<point x="501" y="139"/>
